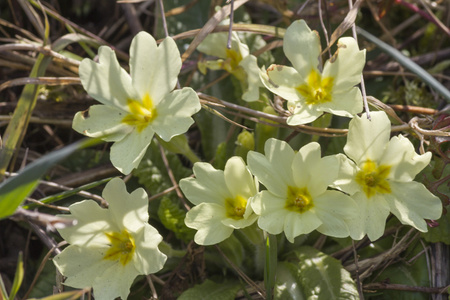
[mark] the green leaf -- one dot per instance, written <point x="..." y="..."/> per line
<point x="286" y="285"/>
<point x="321" y="276"/>
<point x="210" y="290"/>
<point x="172" y="217"/>
<point x="18" y="277"/>
<point x="14" y="190"/>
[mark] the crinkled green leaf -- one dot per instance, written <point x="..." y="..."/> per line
<point x="210" y="290"/>
<point x="322" y="276"/>
<point x="172" y="217"/>
<point x="286" y="285"/>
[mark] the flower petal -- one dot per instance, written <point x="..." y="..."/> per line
<point x="148" y="258"/>
<point x="174" y="113"/>
<point x="92" y="222"/>
<point x="238" y="178"/>
<point x="310" y="170"/>
<point x="206" y="218"/>
<point x="274" y="169"/>
<point x="127" y="153"/>
<point x="89" y="264"/>
<point x="334" y="209"/>
<point x="102" y="121"/>
<point x="302" y="47"/>
<point x="253" y="83"/>
<point x="371" y="217"/>
<point x="106" y="81"/>
<point x="302" y="113"/>
<point x="282" y="80"/>
<point x="411" y="203"/>
<point x="347" y="66"/>
<point x="346" y="177"/>
<point x="272" y="210"/>
<point x="129" y="211"/>
<point x="209" y="186"/>
<point x="296" y="224"/>
<point x="240" y="223"/>
<point x="216" y="45"/>
<point x="280" y="155"/>
<point x="272" y="222"/>
<point x="404" y="161"/>
<point x="346" y="104"/>
<point x="114" y="282"/>
<point x="367" y="139"/>
<point x="154" y="70"/>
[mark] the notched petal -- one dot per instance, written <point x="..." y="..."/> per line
<point x="85" y="114"/>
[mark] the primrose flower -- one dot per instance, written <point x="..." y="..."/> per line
<point x="380" y="175"/>
<point x="136" y="105"/>
<point x="297" y="200"/>
<point x="237" y="61"/>
<point x="309" y="91"/>
<point x="222" y="200"/>
<point x="110" y="247"/>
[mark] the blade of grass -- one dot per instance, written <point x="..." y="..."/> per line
<point x="407" y="63"/>
<point x="270" y="268"/>
<point x="18" y="277"/>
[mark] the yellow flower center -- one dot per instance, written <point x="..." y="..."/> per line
<point x="233" y="59"/>
<point x="372" y="178"/>
<point x="142" y="113"/>
<point x="298" y="199"/>
<point x="235" y="207"/>
<point x="231" y="64"/>
<point x="122" y="247"/>
<point x="316" y="90"/>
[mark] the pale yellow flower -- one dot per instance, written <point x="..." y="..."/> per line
<point x="136" y="105"/>
<point x="110" y="247"/>
<point x="309" y="91"/>
<point x="380" y="178"/>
